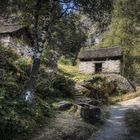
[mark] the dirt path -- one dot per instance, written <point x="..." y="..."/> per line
<point x="114" y="128"/>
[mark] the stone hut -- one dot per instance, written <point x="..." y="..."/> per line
<point x="102" y="60"/>
<point x="16" y="36"/>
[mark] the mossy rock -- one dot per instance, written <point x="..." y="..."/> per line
<point x="105" y="85"/>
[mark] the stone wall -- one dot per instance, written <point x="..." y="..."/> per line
<point x="20" y="45"/>
<point x="108" y="66"/>
<point x="111" y="66"/>
<point x="87" y="67"/>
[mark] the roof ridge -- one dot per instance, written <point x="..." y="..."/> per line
<point x="103" y="48"/>
<point x="111" y="51"/>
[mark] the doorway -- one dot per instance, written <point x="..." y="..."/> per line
<point x="98" y="67"/>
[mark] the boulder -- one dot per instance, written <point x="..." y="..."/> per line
<point x="104" y="85"/>
<point x="122" y="83"/>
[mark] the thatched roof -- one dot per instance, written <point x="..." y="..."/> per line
<point x="7" y="29"/>
<point x="106" y="52"/>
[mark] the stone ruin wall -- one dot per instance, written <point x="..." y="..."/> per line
<point x="111" y="66"/>
<point x="87" y="67"/>
<point x="12" y="42"/>
<point x="108" y="66"/>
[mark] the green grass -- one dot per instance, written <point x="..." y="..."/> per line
<point x="124" y="97"/>
<point x="73" y="73"/>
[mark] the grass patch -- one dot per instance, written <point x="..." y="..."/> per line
<point x="132" y="120"/>
<point x="73" y="73"/>
<point x="124" y="97"/>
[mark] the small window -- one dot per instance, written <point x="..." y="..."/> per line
<point x="98" y="67"/>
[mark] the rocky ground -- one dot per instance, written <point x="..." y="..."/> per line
<point x="115" y="128"/>
<point x="68" y="125"/>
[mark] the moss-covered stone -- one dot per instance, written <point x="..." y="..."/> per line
<point x="102" y="86"/>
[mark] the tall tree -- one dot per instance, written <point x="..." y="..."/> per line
<point x="124" y="31"/>
<point x="42" y="14"/>
<point x="68" y="36"/>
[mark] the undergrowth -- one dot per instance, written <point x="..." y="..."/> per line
<point x="132" y="119"/>
<point x="124" y="97"/>
<point x="18" y="119"/>
<point x="73" y="73"/>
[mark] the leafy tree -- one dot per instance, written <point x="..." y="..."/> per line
<point x="3" y="7"/>
<point x="41" y="15"/>
<point x="68" y="36"/>
<point x="124" y="31"/>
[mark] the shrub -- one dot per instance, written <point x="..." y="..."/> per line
<point x="24" y="64"/>
<point x="18" y="119"/>
<point x="105" y="86"/>
<point x="65" y="61"/>
<point x="64" y="85"/>
<point x="100" y="87"/>
<point x="54" y="85"/>
<point x="8" y="53"/>
<point x="132" y="119"/>
<point x="10" y="85"/>
<point x="49" y="58"/>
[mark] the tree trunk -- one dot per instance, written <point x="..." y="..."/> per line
<point x="74" y="60"/>
<point x="30" y="86"/>
<point x="39" y="44"/>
